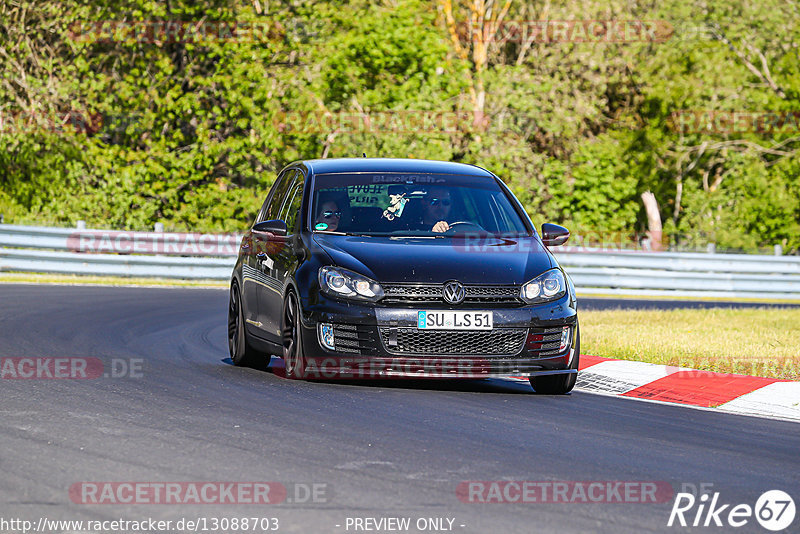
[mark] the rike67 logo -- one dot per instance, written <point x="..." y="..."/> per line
<point x="774" y="510"/>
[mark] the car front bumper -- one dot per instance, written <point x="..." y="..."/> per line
<point x="373" y="341"/>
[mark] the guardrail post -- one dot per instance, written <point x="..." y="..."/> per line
<point x="778" y="250"/>
<point x="159" y="227"/>
<point x="711" y="248"/>
<point x="81" y="225"/>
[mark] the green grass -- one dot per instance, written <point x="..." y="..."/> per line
<point x="754" y="341"/>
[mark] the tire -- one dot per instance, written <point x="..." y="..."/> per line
<point x="559" y="384"/>
<point x="293" y="355"/>
<point x="241" y="353"/>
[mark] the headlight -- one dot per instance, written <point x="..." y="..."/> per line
<point x="545" y="287"/>
<point x="344" y="283"/>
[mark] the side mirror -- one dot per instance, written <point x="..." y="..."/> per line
<point x="554" y="235"/>
<point x="276" y="228"/>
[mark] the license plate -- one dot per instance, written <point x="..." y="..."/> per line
<point x="454" y="320"/>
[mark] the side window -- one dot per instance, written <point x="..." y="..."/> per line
<point x="293" y="204"/>
<point x="263" y="211"/>
<point x="278" y="196"/>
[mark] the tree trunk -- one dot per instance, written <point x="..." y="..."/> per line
<point x="653" y="221"/>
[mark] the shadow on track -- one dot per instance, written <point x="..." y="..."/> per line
<point x="466" y="385"/>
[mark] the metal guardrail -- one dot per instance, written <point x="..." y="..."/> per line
<point x="207" y="256"/>
<point x="86" y="252"/>
<point x="39" y="261"/>
<point x="683" y="274"/>
<point x="89" y="240"/>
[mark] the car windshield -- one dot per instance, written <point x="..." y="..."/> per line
<point x="423" y="205"/>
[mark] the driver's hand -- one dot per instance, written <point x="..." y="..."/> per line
<point x="441" y="226"/>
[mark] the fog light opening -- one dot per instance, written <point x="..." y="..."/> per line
<point x="564" y="339"/>
<point x="325" y="334"/>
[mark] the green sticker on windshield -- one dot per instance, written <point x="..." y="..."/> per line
<point x="321" y="226"/>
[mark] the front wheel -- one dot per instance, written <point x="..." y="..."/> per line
<point x="241" y="352"/>
<point x="293" y="355"/>
<point x="559" y="384"/>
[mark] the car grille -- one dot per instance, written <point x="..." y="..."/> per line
<point x="432" y="293"/>
<point x="500" y="341"/>
<point x="354" y="339"/>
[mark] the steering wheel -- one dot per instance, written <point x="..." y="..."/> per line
<point x="452" y="225"/>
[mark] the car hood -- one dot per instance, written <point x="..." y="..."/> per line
<point x="487" y="260"/>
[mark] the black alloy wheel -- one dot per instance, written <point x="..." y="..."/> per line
<point x="293" y="355"/>
<point x="241" y="352"/>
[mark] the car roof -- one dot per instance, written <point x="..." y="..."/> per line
<point x="347" y="165"/>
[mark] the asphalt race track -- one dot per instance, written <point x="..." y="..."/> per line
<point x="383" y="449"/>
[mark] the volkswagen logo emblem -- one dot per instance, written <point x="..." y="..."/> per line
<point x="453" y="292"/>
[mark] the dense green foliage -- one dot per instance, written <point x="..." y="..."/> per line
<point x="124" y="132"/>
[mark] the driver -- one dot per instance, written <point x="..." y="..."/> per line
<point x="436" y="209"/>
<point x="328" y="216"/>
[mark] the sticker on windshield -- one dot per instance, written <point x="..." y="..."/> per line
<point x="321" y="226"/>
<point x="407" y="178"/>
<point x="395" y="209"/>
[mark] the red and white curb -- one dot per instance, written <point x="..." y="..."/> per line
<point x="731" y="393"/>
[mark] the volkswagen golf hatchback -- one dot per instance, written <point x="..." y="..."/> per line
<point x="402" y="268"/>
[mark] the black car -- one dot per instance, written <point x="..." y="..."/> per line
<point x="402" y="268"/>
